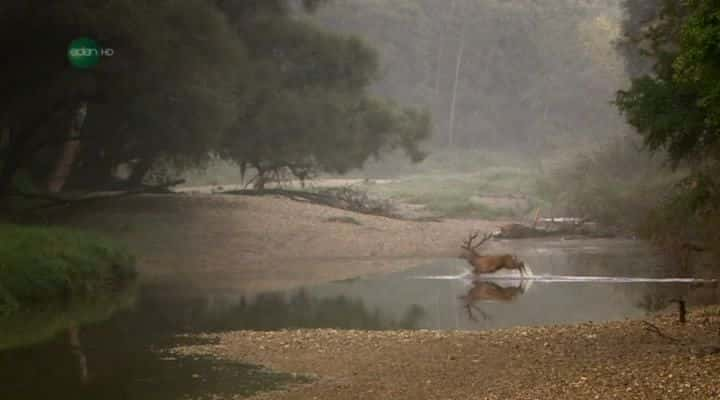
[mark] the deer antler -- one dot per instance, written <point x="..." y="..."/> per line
<point x="468" y="243"/>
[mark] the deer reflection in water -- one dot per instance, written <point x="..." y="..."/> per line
<point x="487" y="291"/>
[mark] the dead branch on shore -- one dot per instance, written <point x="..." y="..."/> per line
<point x="343" y="198"/>
<point x="654" y="329"/>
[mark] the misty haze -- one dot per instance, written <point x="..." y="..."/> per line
<point x="360" y="199"/>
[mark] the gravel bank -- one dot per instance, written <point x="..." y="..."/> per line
<point x="615" y="360"/>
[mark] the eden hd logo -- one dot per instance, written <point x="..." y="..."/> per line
<point x="85" y="53"/>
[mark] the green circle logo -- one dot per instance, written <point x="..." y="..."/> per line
<point x="83" y="53"/>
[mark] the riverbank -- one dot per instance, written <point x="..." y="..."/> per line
<point x="48" y="265"/>
<point x="264" y="243"/>
<point x="613" y="360"/>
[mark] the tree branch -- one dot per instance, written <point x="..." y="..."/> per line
<point x="654" y="329"/>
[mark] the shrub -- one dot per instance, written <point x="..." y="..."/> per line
<point x="43" y="265"/>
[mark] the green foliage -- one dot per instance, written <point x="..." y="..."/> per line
<point x="188" y="80"/>
<point x="677" y="109"/>
<point x="466" y="183"/>
<point x="311" y="111"/>
<point x="667" y="114"/>
<point x="40" y="265"/>
<point x="168" y="89"/>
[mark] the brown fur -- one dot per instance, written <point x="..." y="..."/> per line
<point x="490" y="291"/>
<point x="489" y="264"/>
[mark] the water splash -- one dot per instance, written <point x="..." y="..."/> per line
<point x="564" y="278"/>
<point x="595" y="279"/>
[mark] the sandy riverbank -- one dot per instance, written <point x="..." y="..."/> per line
<point x="262" y="243"/>
<point x="615" y="360"/>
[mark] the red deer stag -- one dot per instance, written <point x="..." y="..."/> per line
<point x="489" y="264"/>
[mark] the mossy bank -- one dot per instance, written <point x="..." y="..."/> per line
<point x="49" y="265"/>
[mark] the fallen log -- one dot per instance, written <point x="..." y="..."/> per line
<point x="325" y="199"/>
<point x="571" y="230"/>
<point x="60" y="200"/>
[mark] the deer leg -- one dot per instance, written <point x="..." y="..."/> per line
<point x="482" y="313"/>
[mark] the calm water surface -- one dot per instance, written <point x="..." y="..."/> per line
<point x="116" y="350"/>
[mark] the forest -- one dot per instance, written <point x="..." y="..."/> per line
<point x="343" y="199"/>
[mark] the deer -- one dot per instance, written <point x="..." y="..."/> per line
<point x="488" y="264"/>
<point x="484" y="291"/>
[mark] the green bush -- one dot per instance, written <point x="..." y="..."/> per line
<point x="40" y="265"/>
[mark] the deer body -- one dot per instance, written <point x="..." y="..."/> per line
<point x="489" y="264"/>
<point x="485" y="264"/>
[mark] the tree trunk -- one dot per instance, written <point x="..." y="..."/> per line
<point x="10" y="163"/>
<point x="64" y="164"/>
<point x="260" y="178"/>
<point x="96" y="172"/>
<point x="458" y="64"/>
<point x="7" y="172"/>
<point x="438" y="67"/>
<point x="139" y="171"/>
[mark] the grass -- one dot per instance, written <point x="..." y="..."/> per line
<point x="344" y="220"/>
<point x="450" y="183"/>
<point x="480" y="194"/>
<point x="46" y="265"/>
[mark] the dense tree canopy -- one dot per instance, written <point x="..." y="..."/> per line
<point x="246" y="79"/>
<point x="677" y="106"/>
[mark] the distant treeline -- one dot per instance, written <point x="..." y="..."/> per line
<point x="525" y="76"/>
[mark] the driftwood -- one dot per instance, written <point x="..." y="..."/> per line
<point x="519" y="231"/>
<point x="654" y="329"/>
<point x="337" y="199"/>
<point x="569" y="230"/>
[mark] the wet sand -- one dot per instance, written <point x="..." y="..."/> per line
<point x="615" y="360"/>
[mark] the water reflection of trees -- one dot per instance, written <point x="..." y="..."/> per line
<point x="115" y="359"/>
<point x="22" y="360"/>
<point x="643" y="262"/>
<point x="272" y="311"/>
<point x="32" y="326"/>
<point x="658" y="297"/>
